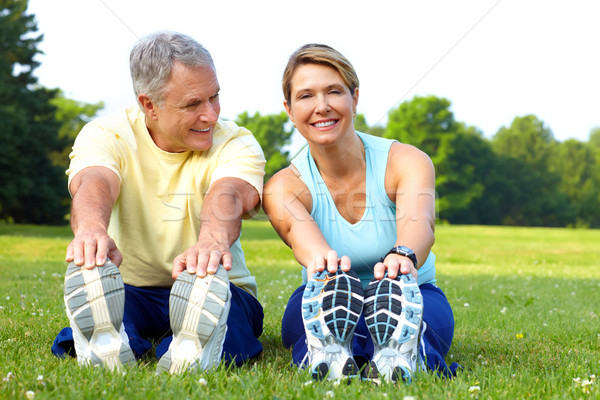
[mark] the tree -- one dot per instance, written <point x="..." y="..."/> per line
<point x="531" y="195"/>
<point x="72" y="116"/>
<point x="595" y="138"/>
<point x="31" y="187"/>
<point x="458" y="152"/>
<point x="271" y="133"/>
<point x="575" y="163"/>
<point x="360" y="124"/>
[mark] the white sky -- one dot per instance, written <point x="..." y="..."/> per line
<point x="494" y="60"/>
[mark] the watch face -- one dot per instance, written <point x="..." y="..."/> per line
<point x="404" y="249"/>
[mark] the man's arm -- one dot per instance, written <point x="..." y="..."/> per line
<point x="94" y="191"/>
<point x="227" y="200"/>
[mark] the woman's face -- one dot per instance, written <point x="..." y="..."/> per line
<point x="321" y="105"/>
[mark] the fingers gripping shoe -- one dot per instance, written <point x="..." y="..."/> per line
<point x="198" y="310"/>
<point x="331" y="306"/>
<point x="394" y="313"/>
<point x="95" y="300"/>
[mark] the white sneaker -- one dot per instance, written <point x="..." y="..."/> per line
<point x="95" y="300"/>
<point x="198" y="310"/>
<point x="331" y="304"/>
<point x="394" y="314"/>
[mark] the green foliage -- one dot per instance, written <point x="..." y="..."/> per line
<point x="32" y="187"/>
<point x="526" y="325"/>
<point x="271" y="133"/>
<point x="532" y="195"/>
<point x="523" y="176"/>
<point x="72" y="116"/>
<point x="458" y="152"/>
<point x="38" y="126"/>
<point x="360" y="124"/>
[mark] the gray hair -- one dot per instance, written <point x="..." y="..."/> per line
<point x="151" y="61"/>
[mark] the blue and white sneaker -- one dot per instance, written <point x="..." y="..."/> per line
<point x="394" y="315"/>
<point x="95" y="300"/>
<point x="331" y="306"/>
<point x="198" y="311"/>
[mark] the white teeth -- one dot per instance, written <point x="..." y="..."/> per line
<point x="324" y="124"/>
<point x="201" y="130"/>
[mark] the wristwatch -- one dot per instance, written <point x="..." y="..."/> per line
<point x="404" y="251"/>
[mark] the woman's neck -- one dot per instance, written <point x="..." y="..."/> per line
<point x="344" y="158"/>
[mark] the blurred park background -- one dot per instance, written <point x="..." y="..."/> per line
<point x="520" y="176"/>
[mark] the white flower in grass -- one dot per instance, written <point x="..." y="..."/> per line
<point x="467" y="305"/>
<point x="29" y="394"/>
<point x="202" y="382"/>
<point x="40" y="380"/>
<point x="7" y="297"/>
<point x="408" y="397"/>
<point x="474" y="391"/>
<point x="504" y="310"/>
<point x="586" y="386"/>
<point x="329" y="393"/>
<point x="593" y="378"/>
<point x="8" y="377"/>
<point x="308" y="383"/>
<point x="577" y="380"/>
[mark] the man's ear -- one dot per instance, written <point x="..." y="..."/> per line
<point x="148" y="106"/>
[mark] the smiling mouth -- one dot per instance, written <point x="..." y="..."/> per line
<point x="325" y="124"/>
<point x="200" y="130"/>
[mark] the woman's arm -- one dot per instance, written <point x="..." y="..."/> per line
<point x="410" y="183"/>
<point x="288" y="202"/>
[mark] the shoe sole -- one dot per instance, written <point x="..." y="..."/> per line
<point x="198" y="311"/>
<point x="95" y="299"/>
<point x="393" y="313"/>
<point x="332" y="304"/>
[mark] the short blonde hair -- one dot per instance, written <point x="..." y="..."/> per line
<point x="321" y="54"/>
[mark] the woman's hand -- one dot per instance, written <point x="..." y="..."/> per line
<point x="331" y="261"/>
<point x="394" y="265"/>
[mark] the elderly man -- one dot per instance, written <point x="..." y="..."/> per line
<point x="159" y="191"/>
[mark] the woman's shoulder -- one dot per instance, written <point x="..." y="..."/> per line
<point x="403" y="153"/>
<point x="286" y="184"/>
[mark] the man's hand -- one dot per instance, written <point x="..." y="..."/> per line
<point x="395" y="265"/>
<point x="94" y="190"/>
<point x="227" y="200"/>
<point x="203" y="257"/>
<point x="92" y="248"/>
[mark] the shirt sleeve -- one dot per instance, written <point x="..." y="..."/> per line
<point x="241" y="157"/>
<point x="94" y="147"/>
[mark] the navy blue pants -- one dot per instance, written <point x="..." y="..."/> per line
<point x="146" y="320"/>
<point x="437" y="314"/>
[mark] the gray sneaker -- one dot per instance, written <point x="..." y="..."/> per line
<point x="95" y="300"/>
<point x="331" y="306"/>
<point x="394" y="314"/>
<point x="198" y="310"/>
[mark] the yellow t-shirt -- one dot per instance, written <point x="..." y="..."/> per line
<point x="157" y="214"/>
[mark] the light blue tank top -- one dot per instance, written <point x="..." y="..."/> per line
<point x="369" y="239"/>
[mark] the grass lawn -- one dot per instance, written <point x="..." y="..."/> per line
<point x="526" y="304"/>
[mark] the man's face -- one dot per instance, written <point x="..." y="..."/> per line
<point x="186" y="119"/>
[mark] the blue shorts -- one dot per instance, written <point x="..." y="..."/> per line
<point x="437" y="314"/>
<point x="146" y="321"/>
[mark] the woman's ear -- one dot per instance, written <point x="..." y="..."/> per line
<point x="288" y="110"/>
